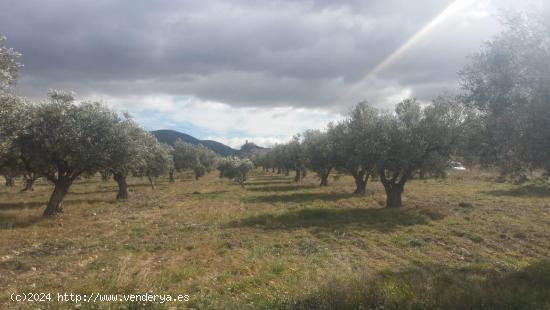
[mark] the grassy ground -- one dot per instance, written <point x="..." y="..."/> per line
<point x="276" y="244"/>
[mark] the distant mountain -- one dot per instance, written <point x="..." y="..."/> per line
<point x="170" y="137"/>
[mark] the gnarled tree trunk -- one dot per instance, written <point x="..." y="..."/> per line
<point x="361" y="179"/>
<point x="55" y="204"/>
<point x="10" y="181"/>
<point x="324" y="179"/>
<point x="29" y="182"/>
<point x="172" y="176"/>
<point x="122" y="186"/>
<point x="393" y="194"/>
<point x="323" y="175"/>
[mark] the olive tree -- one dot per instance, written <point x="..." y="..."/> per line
<point x="199" y="159"/>
<point x="13" y="117"/>
<point x="265" y="160"/>
<point x="508" y="82"/>
<point x="158" y="159"/>
<point x="15" y="113"/>
<point x="236" y="169"/>
<point x="296" y="157"/>
<point x="281" y="158"/>
<point x="320" y="153"/>
<point x="130" y="155"/>
<point x="357" y="145"/>
<point x="9" y="65"/>
<point x="417" y="139"/>
<point x="206" y="162"/>
<point x="64" y="140"/>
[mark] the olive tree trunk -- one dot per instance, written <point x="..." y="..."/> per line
<point x="324" y="179"/>
<point x="151" y="181"/>
<point x="29" y="182"/>
<point x="172" y="176"/>
<point x="323" y="175"/>
<point x="55" y="204"/>
<point x="361" y="180"/>
<point x="298" y="175"/>
<point x="393" y="194"/>
<point x="10" y="181"/>
<point x="122" y="186"/>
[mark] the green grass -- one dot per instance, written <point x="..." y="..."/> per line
<point x="276" y="244"/>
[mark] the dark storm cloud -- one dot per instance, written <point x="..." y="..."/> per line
<point x="243" y="53"/>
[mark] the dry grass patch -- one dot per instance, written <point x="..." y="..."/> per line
<point x="274" y="243"/>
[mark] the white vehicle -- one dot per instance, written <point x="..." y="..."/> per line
<point x="455" y="165"/>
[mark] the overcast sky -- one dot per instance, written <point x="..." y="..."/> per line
<point x="234" y="70"/>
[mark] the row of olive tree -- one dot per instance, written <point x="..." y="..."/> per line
<point x="501" y="119"/>
<point x="392" y="146"/>
<point x="62" y="141"/>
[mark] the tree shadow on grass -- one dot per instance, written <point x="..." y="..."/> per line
<point x="301" y="197"/>
<point x="21" y="205"/>
<point x="432" y="287"/>
<point x="206" y="194"/>
<point x="285" y="188"/>
<point x="100" y="191"/>
<point x="531" y="190"/>
<point x="4" y="206"/>
<point x="263" y="183"/>
<point x="10" y="221"/>
<point x="378" y="219"/>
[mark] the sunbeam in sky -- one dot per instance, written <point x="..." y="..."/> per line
<point x="454" y="8"/>
<point x="372" y="80"/>
<point x="312" y="60"/>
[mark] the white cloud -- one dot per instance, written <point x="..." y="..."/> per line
<point x="230" y="125"/>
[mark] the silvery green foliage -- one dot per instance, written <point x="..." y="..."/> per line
<point x="63" y="140"/>
<point x="207" y="160"/>
<point x="158" y="159"/>
<point x="508" y="81"/>
<point x="320" y="152"/>
<point x="419" y="139"/>
<point x="282" y="157"/>
<point x="295" y="153"/>
<point x="9" y="65"/>
<point x="263" y="159"/>
<point x="236" y="169"/>
<point x="15" y="113"/>
<point x="200" y="159"/>
<point x="356" y="141"/>
<point x="185" y="156"/>
<point x="132" y="152"/>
